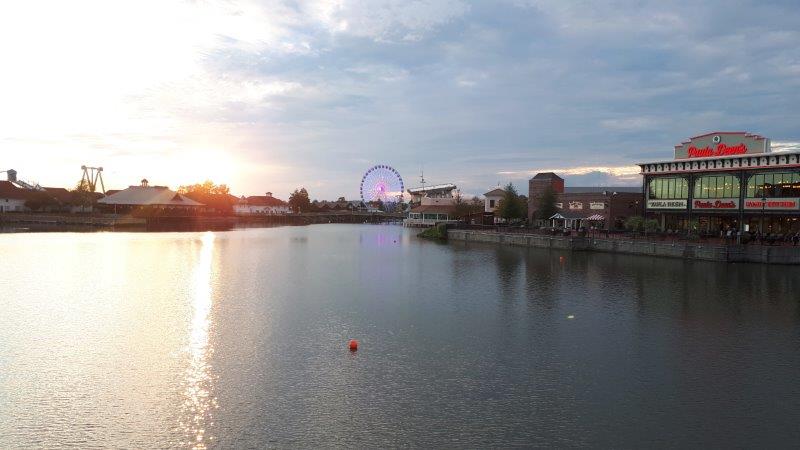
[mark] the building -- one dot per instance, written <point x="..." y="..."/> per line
<point x="261" y="204"/>
<point x="435" y="191"/>
<point x="154" y="199"/>
<point x="492" y="200"/>
<point x="602" y="207"/>
<point x="12" y="198"/>
<point x="431" y="211"/>
<point x="723" y="180"/>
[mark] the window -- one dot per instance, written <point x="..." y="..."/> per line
<point x="666" y="188"/>
<point x="491" y="203"/>
<point x="716" y="186"/>
<point x="772" y="185"/>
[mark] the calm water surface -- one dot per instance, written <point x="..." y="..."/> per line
<point x="238" y="339"/>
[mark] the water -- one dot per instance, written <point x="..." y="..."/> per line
<point x="238" y="339"/>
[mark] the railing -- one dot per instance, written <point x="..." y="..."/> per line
<point x="773" y="239"/>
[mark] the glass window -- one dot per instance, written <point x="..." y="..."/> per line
<point x="665" y="188"/>
<point x="774" y="185"/>
<point x="717" y="186"/>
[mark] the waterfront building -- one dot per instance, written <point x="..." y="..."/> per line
<point x="261" y="204"/>
<point x="146" y="198"/>
<point x="432" y="210"/>
<point x="723" y="180"/>
<point x="12" y="198"/>
<point x="492" y="200"/>
<point x="602" y="207"/>
<point x="435" y="191"/>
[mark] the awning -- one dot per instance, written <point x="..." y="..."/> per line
<point x="596" y="218"/>
<point x="556" y="216"/>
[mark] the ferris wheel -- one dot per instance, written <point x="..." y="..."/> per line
<point x="382" y="183"/>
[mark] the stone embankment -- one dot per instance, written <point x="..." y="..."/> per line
<point x="764" y="254"/>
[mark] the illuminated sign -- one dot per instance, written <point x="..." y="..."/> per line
<point x="722" y="143"/>
<point x="575" y="205"/>
<point x="772" y="204"/>
<point x="597" y="205"/>
<point x="718" y="150"/>
<point x="717" y="203"/>
<point x="666" y="204"/>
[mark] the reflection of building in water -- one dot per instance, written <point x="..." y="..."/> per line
<point x="724" y="180"/>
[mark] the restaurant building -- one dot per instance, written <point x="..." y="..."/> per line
<point x="723" y="180"/>
<point x="605" y="208"/>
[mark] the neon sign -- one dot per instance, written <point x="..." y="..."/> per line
<point x="716" y="204"/>
<point x="718" y="150"/>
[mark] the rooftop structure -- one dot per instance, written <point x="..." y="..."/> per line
<point x="146" y="195"/>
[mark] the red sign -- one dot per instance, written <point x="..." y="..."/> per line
<point x="716" y="204"/>
<point x="777" y="203"/>
<point x="718" y="150"/>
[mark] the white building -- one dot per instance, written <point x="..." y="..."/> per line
<point x="435" y="191"/>
<point x="493" y="198"/>
<point x="12" y="198"/>
<point x="261" y="204"/>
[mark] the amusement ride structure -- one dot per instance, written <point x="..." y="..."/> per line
<point x="381" y="183"/>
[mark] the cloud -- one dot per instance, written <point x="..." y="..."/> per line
<point x="317" y="91"/>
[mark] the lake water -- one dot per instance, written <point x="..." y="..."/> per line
<point x="238" y="339"/>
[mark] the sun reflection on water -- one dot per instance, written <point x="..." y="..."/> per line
<point x="198" y="402"/>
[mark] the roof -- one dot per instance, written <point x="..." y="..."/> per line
<point x="148" y="195"/>
<point x="9" y="190"/>
<point x="439" y="209"/>
<point x="436" y="187"/>
<point x="60" y="194"/>
<point x="599" y="189"/>
<point x="263" y="200"/>
<point x="568" y="215"/>
<point x="546" y="175"/>
<point x="495" y="192"/>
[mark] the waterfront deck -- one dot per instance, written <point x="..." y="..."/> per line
<point x="764" y="254"/>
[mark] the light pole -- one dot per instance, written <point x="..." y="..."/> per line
<point x="763" y="206"/>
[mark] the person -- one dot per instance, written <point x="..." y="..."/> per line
<point x="796" y="238"/>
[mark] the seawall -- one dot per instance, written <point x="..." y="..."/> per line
<point x="686" y="250"/>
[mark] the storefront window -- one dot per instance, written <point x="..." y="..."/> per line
<point x="773" y="185"/>
<point x="716" y="186"/>
<point x="668" y="188"/>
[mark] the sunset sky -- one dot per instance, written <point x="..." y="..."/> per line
<point x="273" y="95"/>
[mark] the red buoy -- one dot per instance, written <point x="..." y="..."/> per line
<point x="353" y="345"/>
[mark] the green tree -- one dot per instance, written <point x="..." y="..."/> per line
<point x="205" y="188"/>
<point x="213" y="195"/>
<point x="510" y="206"/>
<point x="546" y="204"/>
<point x="299" y="201"/>
<point x="82" y="196"/>
<point x="465" y="208"/>
<point x="634" y="223"/>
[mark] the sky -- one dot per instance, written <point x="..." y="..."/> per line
<point x="275" y="95"/>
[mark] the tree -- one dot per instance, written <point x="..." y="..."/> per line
<point x="634" y="223"/>
<point x="216" y="196"/>
<point x="299" y="201"/>
<point x="510" y="206"/>
<point x="465" y="208"/>
<point x="546" y="204"/>
<point x="82" y="196"/>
